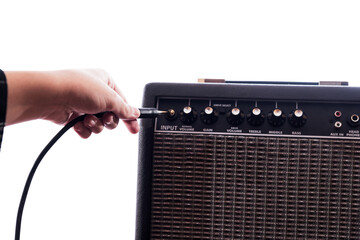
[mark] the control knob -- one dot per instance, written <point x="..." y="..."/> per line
<point x="297" y="118"/>
<point x="276" y="117"/>
<point x="255" y="117"/>
<point x="235" y="116"/>
<point x="209" y="115"/>
<point x="188" y="115"/>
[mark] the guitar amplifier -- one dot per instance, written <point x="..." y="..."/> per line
<point x="249" y="161"/>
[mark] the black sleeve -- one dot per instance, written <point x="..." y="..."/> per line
<point x="3" y="103"/>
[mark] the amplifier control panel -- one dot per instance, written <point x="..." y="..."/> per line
<point x="259" y="117"/>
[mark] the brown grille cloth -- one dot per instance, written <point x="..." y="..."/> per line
<point x="241" y="187"/>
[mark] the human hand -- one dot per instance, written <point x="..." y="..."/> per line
<point x="61" y="96"/>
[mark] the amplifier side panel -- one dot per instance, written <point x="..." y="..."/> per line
<point x="144" y="176"/>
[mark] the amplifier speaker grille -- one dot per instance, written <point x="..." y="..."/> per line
<point x="209" y="186"/>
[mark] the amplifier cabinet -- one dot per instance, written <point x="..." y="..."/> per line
<point x="242" y="161"/>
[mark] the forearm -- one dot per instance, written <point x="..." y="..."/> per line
<point x="32" y="95"/>
<point x="59" y="96"/>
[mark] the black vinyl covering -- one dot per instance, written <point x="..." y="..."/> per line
<point x="153" y="91"/>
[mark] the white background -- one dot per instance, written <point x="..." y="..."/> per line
<point x="86" y="189"/>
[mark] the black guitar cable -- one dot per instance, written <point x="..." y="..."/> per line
<point x="144" y="113"/>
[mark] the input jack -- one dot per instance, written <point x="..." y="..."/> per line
<point x="171" y="115"/>
<point x="337" y="114"/>
<point x="338" y="124"/>
<point x="354" y="118"/>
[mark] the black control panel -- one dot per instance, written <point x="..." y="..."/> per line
<point x="259" y="117"/>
